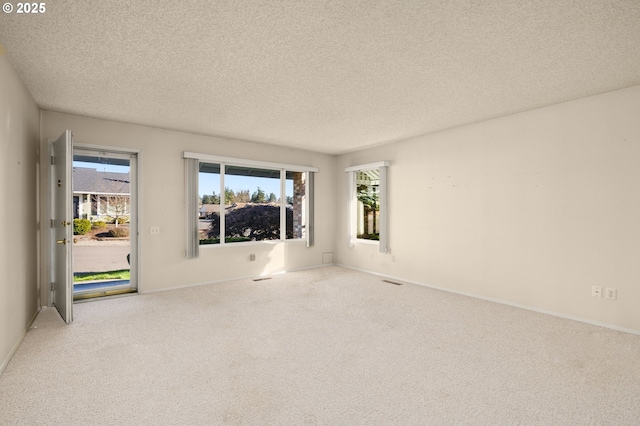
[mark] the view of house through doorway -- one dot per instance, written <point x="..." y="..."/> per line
<point x="104" y="223"/>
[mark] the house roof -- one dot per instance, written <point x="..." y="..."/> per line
<point x="91" y="181"/>
<point x="329" y="76"/>
<point x="210" y="208"/>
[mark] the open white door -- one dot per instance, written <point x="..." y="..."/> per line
<point x="62" y="223"/>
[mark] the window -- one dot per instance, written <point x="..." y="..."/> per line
<point x="251" y="198"/>
<point x="367" y="204"/>
<point x="231" y="201"/>
<point x="296" y="201"/>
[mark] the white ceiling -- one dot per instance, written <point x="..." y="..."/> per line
<point x="330" y="76"/>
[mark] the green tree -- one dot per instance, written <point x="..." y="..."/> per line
<point x="210" y="199"/>
<point x="258" y="196"/>
<point x="272" y="198"/>
<point x="229" y="196"/>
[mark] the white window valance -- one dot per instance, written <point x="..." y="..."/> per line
<point x="242" y="162"/>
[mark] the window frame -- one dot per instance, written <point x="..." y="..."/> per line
<point x="192" y="161"/>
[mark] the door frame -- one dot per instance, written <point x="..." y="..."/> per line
<point x="134" y="229"/>
<point x="134" y="185"/>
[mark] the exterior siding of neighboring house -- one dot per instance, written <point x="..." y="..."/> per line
<point x="97" y="195"/>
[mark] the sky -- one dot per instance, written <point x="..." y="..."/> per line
<point x="102" y="167"/>
<point x="210" y="182"/>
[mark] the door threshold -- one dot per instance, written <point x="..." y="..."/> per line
<point x="100" y="295"/>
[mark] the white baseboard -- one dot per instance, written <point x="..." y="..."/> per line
<point x="15" y="347"/>
<point x="502" y="302"/>
<point x="244" y="277"/>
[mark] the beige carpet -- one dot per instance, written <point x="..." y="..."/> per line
<point x="329" y="346"/>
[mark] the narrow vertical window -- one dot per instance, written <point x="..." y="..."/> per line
<point x="367" y="204"/>
<point x="296" y="196"/>
<point x="209" y="203"/>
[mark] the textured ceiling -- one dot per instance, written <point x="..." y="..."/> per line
<point x="330" y="76"/>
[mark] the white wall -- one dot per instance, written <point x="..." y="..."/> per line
<point x="161" y="178"/>
<point x="19" y="136"/>
<point x="532" y="209"/>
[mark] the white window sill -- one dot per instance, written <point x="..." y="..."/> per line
<point x="255" y="243"/>
<point x="369" y="242"/>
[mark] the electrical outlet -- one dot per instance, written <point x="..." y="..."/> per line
<point x="596" y="291"/>
<point x="155" y="230"/>
<point x="393" y="258"/>
<point x="611" y="293"/>
<point x="252" y="257"/>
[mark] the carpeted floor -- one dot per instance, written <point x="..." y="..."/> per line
<point x="328" y="346"/>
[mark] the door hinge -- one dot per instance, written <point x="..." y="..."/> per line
<point x="52" y="288"/>
<point x="51" y="223"/>
<point x="53" y="161"/>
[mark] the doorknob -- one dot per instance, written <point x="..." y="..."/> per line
<point x="62" y="241"/>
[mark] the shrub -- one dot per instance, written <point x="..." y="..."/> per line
<point x="252" y="223"/>
<point x="123" y="219"/>
<point x="119" y="232"/>
<point x="99" y="224"/>
<point x="81" y="226"/>
<point x="375" y="237"/>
